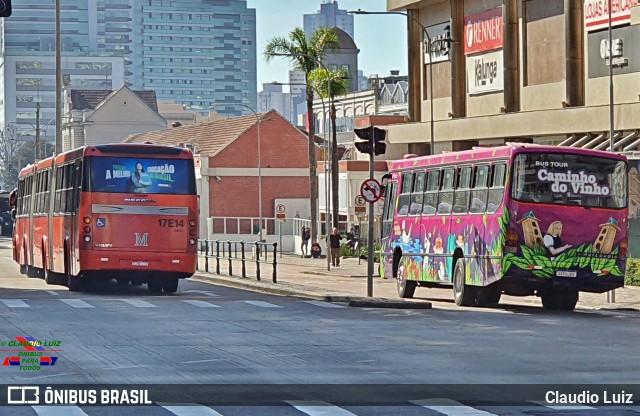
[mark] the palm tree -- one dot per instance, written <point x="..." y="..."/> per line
<point x="306" y="55"/>
<point x="332" y="84"/>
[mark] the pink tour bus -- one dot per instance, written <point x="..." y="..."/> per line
<point x="519" y="219"/>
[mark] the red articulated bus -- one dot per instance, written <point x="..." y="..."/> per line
<point x="123" y="211"/>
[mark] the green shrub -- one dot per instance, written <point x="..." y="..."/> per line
<point x="632" y="275"/>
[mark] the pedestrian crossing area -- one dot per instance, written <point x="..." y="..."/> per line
<point x="423" y="407"/>
<point x="157" y="302"/>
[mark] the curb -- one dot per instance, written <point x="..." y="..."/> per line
<point x="308" y="293"/>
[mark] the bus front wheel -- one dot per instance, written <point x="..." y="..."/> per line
<point x="406" y="288"/>
<point x="463" y="294"/>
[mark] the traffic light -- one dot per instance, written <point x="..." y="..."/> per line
<point x="5" y="8"/>
<point x="373" y="140"/>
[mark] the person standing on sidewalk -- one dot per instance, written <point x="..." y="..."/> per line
<point x="306" y="235"/>
<point x="334" y="241"/>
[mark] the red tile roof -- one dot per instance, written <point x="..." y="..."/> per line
<point x="209" y="137"/>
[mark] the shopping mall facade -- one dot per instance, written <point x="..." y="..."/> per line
<point x="521" y="70"/>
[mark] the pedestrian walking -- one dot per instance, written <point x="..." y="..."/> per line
<point x="306" y="235"/>
<point x="334" y="242"/>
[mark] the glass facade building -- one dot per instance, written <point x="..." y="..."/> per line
<point x="194" y="52"/>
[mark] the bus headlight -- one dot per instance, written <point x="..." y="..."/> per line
<point x="87" y="238"/>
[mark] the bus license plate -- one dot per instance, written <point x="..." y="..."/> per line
<point x="566" y="273"/>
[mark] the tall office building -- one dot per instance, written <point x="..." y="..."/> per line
<point x="27" y="64"/>
<point x="329" y="15"/>
<point x="195" y="52"/>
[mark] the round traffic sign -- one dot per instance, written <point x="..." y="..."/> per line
<point x="360" y="202"/>
<point x="280" y="209"/>
<point x="371" y="190"/>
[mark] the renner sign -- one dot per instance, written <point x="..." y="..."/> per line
<point x="596" y="13"/>
<point x="483" y="31"/>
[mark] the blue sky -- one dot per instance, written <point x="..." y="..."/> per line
<point x="382" y="39"/>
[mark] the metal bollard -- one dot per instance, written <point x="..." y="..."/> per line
<point x="230" y="261"/>
<point x="257" y="261"/>
<point x="244" y="266"/>
<point x="217" y="257"/>
<point x="275" y="277"/>
<point x="206" y="256"/>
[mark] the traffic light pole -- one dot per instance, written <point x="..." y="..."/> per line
<point x="370" y="228"/>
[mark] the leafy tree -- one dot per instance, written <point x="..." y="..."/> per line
<point x="332" y="84"/>
<point x="306" y="55"/>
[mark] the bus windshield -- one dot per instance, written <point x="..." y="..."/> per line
<point x="569" y="179"/>
<point x="140" y="175"/>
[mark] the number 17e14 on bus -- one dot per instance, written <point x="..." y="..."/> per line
<point x="518" y="219"/>
<point x="120" y="211"/>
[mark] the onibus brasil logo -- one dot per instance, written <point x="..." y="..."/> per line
<point x="29" y="354"/>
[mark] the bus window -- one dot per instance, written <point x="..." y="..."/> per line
<point x="417" y="196"/>
<point x="431" y="193"/>
<point x="445" y="198"/>
<point x="461" y="196"/>
<point x="480" y="189"/>
<point x="57" y="203"/>
<point x="496" y="192"/>
<point x="389" y="205"/>
<point x="405" y="194"/>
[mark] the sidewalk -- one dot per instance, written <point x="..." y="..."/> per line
<point x="308" y="277"/>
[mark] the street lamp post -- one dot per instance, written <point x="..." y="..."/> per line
<point x="425" y="34"/>
<point x="258" y="121"/>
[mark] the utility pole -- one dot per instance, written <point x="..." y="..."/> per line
<point x="370" y="224"/>
<point x="37" y="146"/>
<point x="58" y="83"/>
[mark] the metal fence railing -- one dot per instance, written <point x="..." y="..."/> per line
<point x="234" y="252"/>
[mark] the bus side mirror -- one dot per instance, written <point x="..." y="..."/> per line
<point x="13" y="214"/>
<point x="13" y="198"/>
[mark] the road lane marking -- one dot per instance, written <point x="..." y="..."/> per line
<point x="200" y="303"/>
<point x="58" y="411"/>
<point x="138" y="303"/>
<point x="323" y="304"/>
<point x="450" y="407"/>
<point x="14" y="303"/>
<point x="53" y="292"/>
<point x="261" y="304"/>
<point x="203" y="292"/>
<point x="562" y="407"/>
<point x="200" y="361"/>
<point x="318" y="408"/>
<point x="77" y="303"/>
<point x="188" y="409"/>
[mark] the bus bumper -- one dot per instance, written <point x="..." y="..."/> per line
<point x="179" y="263"/>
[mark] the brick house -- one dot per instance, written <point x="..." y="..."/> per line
<point x="228" y="172"/>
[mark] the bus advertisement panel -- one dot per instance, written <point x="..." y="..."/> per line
<point x="119" y="211"/>
<point x="519" y="220"/>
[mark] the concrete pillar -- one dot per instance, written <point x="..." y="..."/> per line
<point x="458" y="63"/>
<point x="511" y="56"/>
<point x="414" y="42"/>
<point x="574" y="41"/>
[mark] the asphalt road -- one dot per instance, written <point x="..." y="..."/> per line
<point x="207" y="334"/>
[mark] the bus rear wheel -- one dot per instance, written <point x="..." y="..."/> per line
<point x="559" y="300"/>
<point x="406" y="288"/>
<point x="75" y="283"/>
<point x="488" y="295"/>
<point x="463" y="294"/>
<point x="154" y="285"/>
<point x="170" y="284"/>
